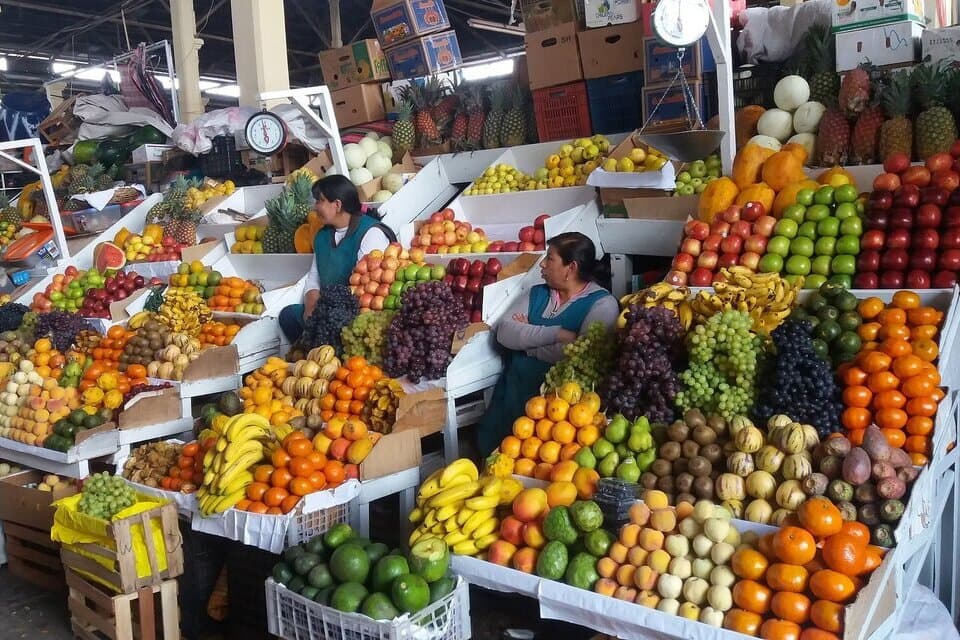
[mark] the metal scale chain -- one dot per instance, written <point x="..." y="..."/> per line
<point x="689" y="103"/>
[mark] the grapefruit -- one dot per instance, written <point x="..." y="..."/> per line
<point x="430" y="558"/>
<point x="410" y="593"/>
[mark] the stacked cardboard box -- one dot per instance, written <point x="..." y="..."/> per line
<point x="354" y="73"/>
<point x="881" y="32"/>
<point x="661" y="63"/>
<point x="416" y="37"/>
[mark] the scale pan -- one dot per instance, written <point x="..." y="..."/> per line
<point x="685" y="146"/>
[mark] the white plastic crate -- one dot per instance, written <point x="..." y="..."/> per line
<point x="293" y="617"/>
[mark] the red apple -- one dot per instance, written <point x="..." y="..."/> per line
<point x="731" y="214"/>
<point x="539" y="221"/>
<point x="700" y="277"/>
<point x="683" y="262"/>
<point x="886" y="182"/>
<point x="477" y="268"/>
<point x="526" y="234"/>
<point x="538" y="236"/>
<point x="493" y="266"/>
<point x="882" y="199"/>
<point x="708" y="260"/>
<point x="894" y="260"/>
<point x="756" y="243"/>
<point x="949" y="260"/>
<point x="925" y="239"/>
<point x="872" y="239"/>
<point x="917" y="175"/>
<point x="898" y="239"/>
<point x="691" y="246"/>
<point x="917" y="279"/>
<point x="928" y="216"/>
<point x="740" y="228"/>
<point x="474" y="286"/>
<point x="750" y="259"/>
<point x="923" y="260"/>
<point x="488" y="279"/>
<point x="896" y="162"/>
<point x="510" y="247"/>
<point x="712" y="242"/>
<point x="697" y="229"/>
<point x="720" y="227"/>
<point x="866" y="280"/>
<point x="753" y="211"/>
<point x="891" y="280"/>
<point x="936" y="195"/>
<point x="526" y="246"/>
<point x="476" y="316"/>
<point x="877" y="218"/>
<point x="951" y="216"/>
<point x="950" y="238"/>
<point x="728" y="260"/>
<point x="732" y="244"/>
<point x="868" y="261"/>
<point x="676" y="278"/>
<point x="955" y="149"/>
<point x="944" y="279"/>
<point x="764" y="225"/>
<point x="436" y="217"/>
<point x="939" y="162"/>
<point x="460" y="283"/>
<point x="907" y="196"/>
<point x="495" y="247"/>
<point x="540" y="247"/>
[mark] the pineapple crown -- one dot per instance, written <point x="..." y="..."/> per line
<point x="281" y="209"/>
<point x="820" y="50"/>
<point x="895" y="97"/>
<point x="302" y="189"/>
<point x="928" y="82"/>
<point x="4" y="201"/>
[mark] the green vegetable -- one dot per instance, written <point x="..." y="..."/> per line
<point x="558" y="525"/>
<point x="552" y="561"/>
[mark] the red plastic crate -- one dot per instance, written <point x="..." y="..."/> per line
<point x="562" y="112"/>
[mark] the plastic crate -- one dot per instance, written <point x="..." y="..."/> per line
<point x="293" y="617"/>
<point x="753" y="84"/>
<point x="615" y="102"/>
<point x="562" y="112"/>
<point x="223" y="159"/>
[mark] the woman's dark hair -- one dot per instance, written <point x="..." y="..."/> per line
<point x="573" y="246"/>
<point x="337" y="187"/>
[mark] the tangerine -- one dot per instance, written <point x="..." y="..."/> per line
<point x="794" y="607"/>
<point x="832" y="585"/>
<point x="794" y="545"/>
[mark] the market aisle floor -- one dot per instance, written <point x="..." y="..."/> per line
<point x="31" y="612"/>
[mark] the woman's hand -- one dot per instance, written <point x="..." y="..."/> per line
<point x="565" y="337"/>
<point x="521" y="317"/>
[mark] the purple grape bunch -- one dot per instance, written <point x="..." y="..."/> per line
<point x="644" y="382"/>
<point x="420" y="334"/>
<point x="61" y="327"/>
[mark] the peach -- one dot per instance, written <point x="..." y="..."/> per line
<point x="683" y="510"/>
<point x="605" y="586"/>
<point x="617" y="552"/>
<point x="625" y="575"/>
<point x="650" y="539"/>
<point x="645" y="578"/>
<point x="629" y="534"/>
<point x="530" y="504"/>
<point x="625" y="593"/>
<point x="338" y="449"/>
<point x="586" y="482"/>
<point x="606" y="567"/>
<point x="659" y="560"/>
<point x="561" y="492"/>
<point x="648" y="598"/>
<point x="637" y="556"/>
<point x="639" y="513"/>
<point x="525" y="559"/>
<point x="511" y="530"/>
<point x="533" y="535"/>
<point x="663" y="519"/>
<point x="564" y="471"/>
<point x="543" y="469"/>
<point x="501" y="552"/>
<point x="655" y="499"/>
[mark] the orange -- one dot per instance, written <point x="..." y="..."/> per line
<point x="289" y="503"/>
<point x="355" y="363"/>
<point x="752" y="596"/>
<point x="892" y="316"/>
<point x="523" y="427"/>
<point x="281" y="477"/>
<point x="334" y="472"/>
<point x="813" y="633"/>
<point x="569" y="450"/>
<point x="544" y="429"/>
<point x="243" y="505"/>
<point x="820" y="516"/>
<point x="274" y="496"/>
<point x="550" y="451"/>
<point x="561" y="493"/>
<point x="318" y="480"/>
<point x="896" y="345"/>
<point x="906" y="300"/>
<point x="354" y="430"/>
<point x="794" y="607"/>
<point x="924" y="315"/>
<point x="893" y="333"/>
<point x="137" y="371"/>
<point x="917" y="444"/>
<point x="774" y="629"/>
<point x="748" y="563"/>
<point x="853" y="375"/>
<point x="889" y="399"/>
<point x="856" y="530"/>
<point x="510" y="447"/>
<point x="536" y="408"/>
<point x="874" y="361"/>
<point x="524" y="467"/>
<point x="586" y="436"/>
<point x="743" y="621"/>
<point x="531" y="447"/>
<point x="855" y="418"/>
<point x="827" y="615"/>
<point x="890" y="418"/>
<point x="564" y="432"/>
<point x="787" y="577"/>
<point x="274" y="511"/>
<point x="280" y="458"/>
<point x="895" y="437"/>
<point x="925" y="349"/>
<point x="923" y="331"/>
<point x="917" y="386"/>
<point x="543" y="470"/>
<point x="586" y="482"/>
<point x="869" y="331"/>
<point x="857" y="396"/>
<point x="832" y="585"/>
<point x="301" y="486"/>
<point x="257" y="507"/>
<point x="871" y="307"/>
<point x="794" y="545"/>
<point x="301" y="467"/>
<point x="298" y="447"/>
<point x="845" y="554"/>
<point x="255" y="490"/>
<point x="922" y="406"/>
<point x="906" y="366"/>
<point x="317" y="459"/>
<point x="882" y="381"/>
<point x="855" y="436"/>
<point x="873" y="560"/>
<point x="919" y="426"/>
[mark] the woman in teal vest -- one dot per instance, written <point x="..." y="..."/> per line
<point x="536" y="329"/>
<point x="348" y="235"/>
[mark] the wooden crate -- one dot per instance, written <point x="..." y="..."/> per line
<point x="95" y="614"/>
<point x="33" y="556"/>
<point x="61" y="125"/>
<point x="123" y="577"/>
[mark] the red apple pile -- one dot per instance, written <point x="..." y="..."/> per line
<point x="443" y="234"/>
<point x="467" y="279"/>
<point x="913" y="225"/>
<point x="97" y="301"/>
<point x="167" y="250"/>
<point x="737" y="236"/>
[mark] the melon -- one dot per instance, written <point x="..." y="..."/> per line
<point x="107" y="255"/>
<point x="392" y="182"/>
<point x="385" y="149"/>
<point x="378" y="165"/>
<point x="381" y="196"/>
<point x="354" y="155"/>
<point x="776" y="123"/>
<point x="373" y="135"/>
<point x="369" y="146"/>
<point x="360" y="175"/>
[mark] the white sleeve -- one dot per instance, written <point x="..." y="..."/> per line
<point x="313" y="277"/>
<point x="373" y="239"/>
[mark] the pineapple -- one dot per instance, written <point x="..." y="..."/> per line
<point x="934" y="127"/>
<point x="282" y="225"/>
<point x="445" y="103"/>
<point x="819" y="65"/>
<point x="428" y="133"/>
<point x="403" y="131"/>
<point x="855" y="90"/>
<point x="302" y="191"/>
<point x="9" y="213"/>
<point x="866" y="136"/>
<point x="180" y="220"/>
<point x="458" y="130"/>
<point x="896" y="133"/>
<point x="492" y="126"/>
<point x="833" y="138"/>
<point x="513" y="130"/>
<point x="476" y="118"/>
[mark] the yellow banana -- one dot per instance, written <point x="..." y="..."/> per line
<point x="238" y="450"/>
<point x="457" y="468"/>
<point x="464" y="515"/>
<point x="485" y="528"/>
<point x="491" y="487"/>
<point x="240" y="481"/>
<point x="481" y="503"/>
<point x="453" y="494"/>
<point x="416" y="515"/>
<point x="454" y="537"/>
<point x="449" y="511"/>
<point x="438" y="529"/>
<point x="450" y="525"/>
<point x="466" y="548"/>
<point x="477" y="519"/>
<point x="487" y="540"/>
<point x="415" y="535"/>
<point x="430" y="518"/>
<point x="429" y="488"/>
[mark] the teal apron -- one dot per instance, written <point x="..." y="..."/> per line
<point x="335" y="262"/>
<point x="523" y="375"/>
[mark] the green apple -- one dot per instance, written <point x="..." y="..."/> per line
<point x="801" y="246"/>
<point x="817" y="212"/>
<point x="848" y="245"/>
<point x="845" y="210"/>
<point x="798" y="265"/>
<point x="829" y="226"/>
<point x="820" y="266"/>
<point x="779" y="245"/>
<point x="824" y="195"/>
<point x="805" y="197"/>
<point x="794" y="212"/>
<point x="844" y="265"/>
<point x="845" y="193"/>
<point x="785" y="228"/>
<point x="852" y="226"/>
<point x="813" y="281"/>
<point x="770" y="263"/>
<point x="808" y="229"/>
<point x="825" y="246"/>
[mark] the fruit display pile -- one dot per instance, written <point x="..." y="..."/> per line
<point x="443" y="234"/>
<point x="335" y="309"/>
<point x="585" y="361"/>
<point x="421" y="333"/>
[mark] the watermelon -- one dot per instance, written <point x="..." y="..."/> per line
<point x="107" y="255"/>
<point x="146" y="135"/>
<point x="85" y="151"/>
<point x="111" y="151"/>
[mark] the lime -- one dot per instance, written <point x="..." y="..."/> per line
<point x="386" y="570"/>
<point x="821" y="348"/>
<point x="410" y="593"/>
<point x="349" y="563"/>
<point x="443" y="587"/>
<point x="323" y="596"/>
<point x="309" y="592"/>
<point x="348" y="596"/>
<point x="827" y="330"/>
<point x="845" y="193"/>
<point x="296" y="584"/>
<point x="315" y="546"/>
<point x="337" y="535"/>
<point x="846" y="301"/>
<point x="848" y="342"/>
<point x="320" y="576"/>
<point x="379" y="607"/>
<point x="849" y="320"/>
<point x="805" y="197"/>
<point x="305" y="562"/>
<point x="282" y="573"/>
<point x="376" y="551"/>
<point x="292" y="553"/>
<point x="824" y="195"/>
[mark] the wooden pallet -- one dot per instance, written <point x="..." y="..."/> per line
<point x="95" y="614"/>
<point x="34" y="557"/>
<point x="61" y="125"/>
<point x="123" y="574"/>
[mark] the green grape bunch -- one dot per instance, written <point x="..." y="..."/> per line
<point x="724" y="355"/>
<point x="103" y="496"/>
<point x="366" y="336"/>
<point x="586" y="361"/>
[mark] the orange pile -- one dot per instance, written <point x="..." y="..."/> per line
<point x="801" y="577"/>
<point x="187" y="474"/>
<point x="134" y="375"/>
<point x="110" y="348"/>
<point x="295" y="470"/>
<point x="232" y="291"/>
<point x="349" y="389"/>
<point x="893" y="381"/>
<point x="217" y="333"/>
<point x="48" y="361"/>
<point x="346" y="440"/>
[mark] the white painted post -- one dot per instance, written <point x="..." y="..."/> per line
<point x="718" y="36"/>
<point x="326" y="121"/>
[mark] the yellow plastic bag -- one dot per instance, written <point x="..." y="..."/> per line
<point x="71" y="527"/>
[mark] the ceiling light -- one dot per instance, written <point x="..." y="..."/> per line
<point x="496" y="27"/>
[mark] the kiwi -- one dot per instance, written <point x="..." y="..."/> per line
<point x="680" y="465"/>
<point x="670" y="451"/>
<point x="665" y="484"/>
<point x="712" y="452"/>
<point x="718" y="424"/>
<point x="699" y="466"/>
<point x="685" y="497"/>
<point x="648" y="480"/>
<point x="694" y="418"/>
<point x="703" y="487"/>
<point x="660" y="468"/>
<point x="678" y="431"/>
<point x="704" y="435"/>
<point x="689" y="449"/>
<point x="683" y="482"/>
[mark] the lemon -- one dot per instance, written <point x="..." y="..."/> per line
<point x="638" y="155"/>
<point x="625" y="165"/>
<point x="610" y="164"/>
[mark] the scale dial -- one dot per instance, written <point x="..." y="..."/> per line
<point x="681" y="23"/>
<point x="266" y="133"/>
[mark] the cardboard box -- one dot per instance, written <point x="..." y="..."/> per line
<point x="396" y="21"/>
<point x="150" y="152"/>
<point x="942" y="45"/>
<point x="356" y="63"/>
<point x="540" y="15"/>
<point x="671" y="114"/>
<point x="553" y="56"/>
<point x="358" y="105"/>
<point x="660" y="61"/>
<point x="418" y="415"/>
<point x="846" y="15"/>
<point x="27" y="506"/>
<point x="655" y="182"/>
<point x="424" y="56"/>
<point x="886" y="44"/>
<point x="600" y="13"/>
<point x="611" y="50"/>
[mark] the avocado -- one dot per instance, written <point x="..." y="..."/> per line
<point x="282" y="573"/>
<point x="305" y="562"/>
<point x="558" y="525"/>
<point x="581" y="571"/>
<point x="552" y="561"/>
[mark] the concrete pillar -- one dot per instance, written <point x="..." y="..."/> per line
<point x="186" y="56"/>
<point x="260" y="49"/>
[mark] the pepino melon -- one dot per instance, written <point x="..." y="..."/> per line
<point x="107" y="255"/>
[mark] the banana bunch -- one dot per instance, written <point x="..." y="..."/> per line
<point x="661" y="294"/>
<point x="139" y="319"/>
<point x="243" y="442"/>
<point x="184" y="310"/>
<point x="380" y="409"/>
<point x="766" y="297"/>
<point x="459" y="506"/>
